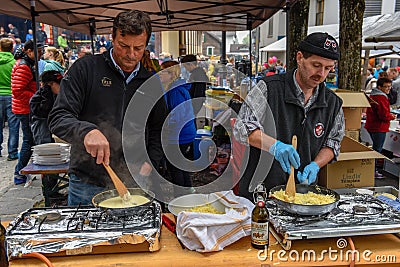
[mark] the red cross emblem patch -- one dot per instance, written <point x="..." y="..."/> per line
<point x="319" y="130"/>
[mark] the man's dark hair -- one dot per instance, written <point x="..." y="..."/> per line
<point x="29" y="45"/>
<point x="382" y="81"/>
<point x="6" y="45"/>
<point x="51" y="76"/>
<point x="306" y="54"/>
<point x="133" y="22"/>
<point x="189" y="58"/>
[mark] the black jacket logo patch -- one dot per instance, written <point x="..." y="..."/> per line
<point x="319" y="130"/>
<point x="106" y="81"/>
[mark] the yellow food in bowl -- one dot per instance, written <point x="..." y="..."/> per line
<point x="309" y="198"/>
<point x="208" y="208"/>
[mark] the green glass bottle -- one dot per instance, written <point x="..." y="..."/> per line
<point x="260" y="225"/>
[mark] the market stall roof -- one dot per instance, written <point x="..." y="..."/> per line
<point x="197" y="15"/>
<point x="380" y="25"/>
<point x="280" y="45"/>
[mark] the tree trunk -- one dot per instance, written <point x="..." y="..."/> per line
<point x="297" y="30"/>
<point x="350" y="43"/>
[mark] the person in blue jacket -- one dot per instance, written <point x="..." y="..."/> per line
<point x="181" y="125"/>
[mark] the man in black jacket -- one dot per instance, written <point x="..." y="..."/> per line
<point x="90" y="112"/>
<point x="41" y="104"/>
<point x="41" y="36"/>
<point x="198" y="78"/>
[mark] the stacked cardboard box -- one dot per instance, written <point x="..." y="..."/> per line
<point x="353" y="105"/>
<point x="355" y="166"/>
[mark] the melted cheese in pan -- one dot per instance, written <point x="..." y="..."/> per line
<point x="117" y="202"/>
<point x="310" y="198"/>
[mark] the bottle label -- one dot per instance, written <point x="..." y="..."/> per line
<point x="259" y="233"/>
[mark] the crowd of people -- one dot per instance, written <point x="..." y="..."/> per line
<point x="383" y="87"/>
<point x="18" y="88"/>
<point x="69" y="99"/>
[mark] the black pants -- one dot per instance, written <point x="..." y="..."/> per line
<point x="178" y="176"/>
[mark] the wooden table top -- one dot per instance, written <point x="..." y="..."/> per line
<point x="45" y="169"/>
<point x="378" y="250"/>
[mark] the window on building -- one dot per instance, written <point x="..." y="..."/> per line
<point x="210" y="50"/>
<point x="270" y="28"/>
<point x="373" y="8"/>
<point x="397" y="7"/>
<point x="319" y="16"/>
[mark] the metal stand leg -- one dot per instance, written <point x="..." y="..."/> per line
<point x="51" y="185"/>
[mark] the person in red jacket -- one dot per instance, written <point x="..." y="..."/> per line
<point x="379" y="116"/>
<point x="23" y="87"/>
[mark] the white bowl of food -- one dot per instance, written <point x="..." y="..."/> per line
<point x="207" y="203"/>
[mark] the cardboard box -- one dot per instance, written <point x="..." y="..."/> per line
<point x="355" y="166"/>
<point x="353" y="104"/>
<point x="354" y="134"/>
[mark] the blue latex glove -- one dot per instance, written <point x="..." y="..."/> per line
<point x="286" y="155"/>
<point x="309" y="174"/>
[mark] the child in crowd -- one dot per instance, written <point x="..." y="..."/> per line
<point x="379" y="116"/>
<point x="41" y="103"/>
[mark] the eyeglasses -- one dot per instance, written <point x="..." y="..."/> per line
<point x="386" y="86"/>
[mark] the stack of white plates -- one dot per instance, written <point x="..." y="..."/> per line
<point x="51" y="153"/>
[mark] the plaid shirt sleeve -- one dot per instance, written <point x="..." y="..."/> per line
<point x="251" y="113"/>
<point x="336" y="134"/>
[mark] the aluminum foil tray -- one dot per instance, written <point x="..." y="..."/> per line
<point x="71" y="231"/>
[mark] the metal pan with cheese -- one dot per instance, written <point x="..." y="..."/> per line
<point x="304" y="209"/>
<point x="111" y="200"/>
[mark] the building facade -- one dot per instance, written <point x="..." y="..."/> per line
<point x="321" y="12"/>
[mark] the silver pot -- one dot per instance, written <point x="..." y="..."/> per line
<point x="306" y="209"/>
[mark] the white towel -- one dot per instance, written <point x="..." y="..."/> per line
<point x="206" y="232"/>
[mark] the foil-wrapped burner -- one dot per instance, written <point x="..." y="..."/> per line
<point x="362" y="207"/>
<point x="52" y="230"/>
<point x="51" y="216"/>
<point x="355" y="214"/>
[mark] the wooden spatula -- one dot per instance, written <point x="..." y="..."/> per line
<point x="291" y="186"/>
<point x="119" y="185"/>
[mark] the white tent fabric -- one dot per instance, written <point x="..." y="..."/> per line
<point x="201" y="15"/>
<point x="381" y="25"/>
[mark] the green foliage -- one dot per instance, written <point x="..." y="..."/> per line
<point x="246" y="40"/>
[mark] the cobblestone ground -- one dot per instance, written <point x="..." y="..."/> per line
<point x="15" y="198"/>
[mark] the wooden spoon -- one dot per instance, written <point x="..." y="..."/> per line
<point x="119" y="185"/>
<point x="291" y="186"/>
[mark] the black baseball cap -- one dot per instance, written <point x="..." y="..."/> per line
<point x="189" y="58"/>
<point x="321" y="44"/>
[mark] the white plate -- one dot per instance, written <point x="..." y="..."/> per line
<point x="49" y="160"/>
<point x="49" y="163"/>
<point x="52" y="145"/>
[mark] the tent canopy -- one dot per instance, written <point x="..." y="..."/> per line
<point x="197" y="15"/>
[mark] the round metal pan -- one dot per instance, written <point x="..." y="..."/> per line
<point x="306" y="209"/>
<point x="97" y="199"/>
